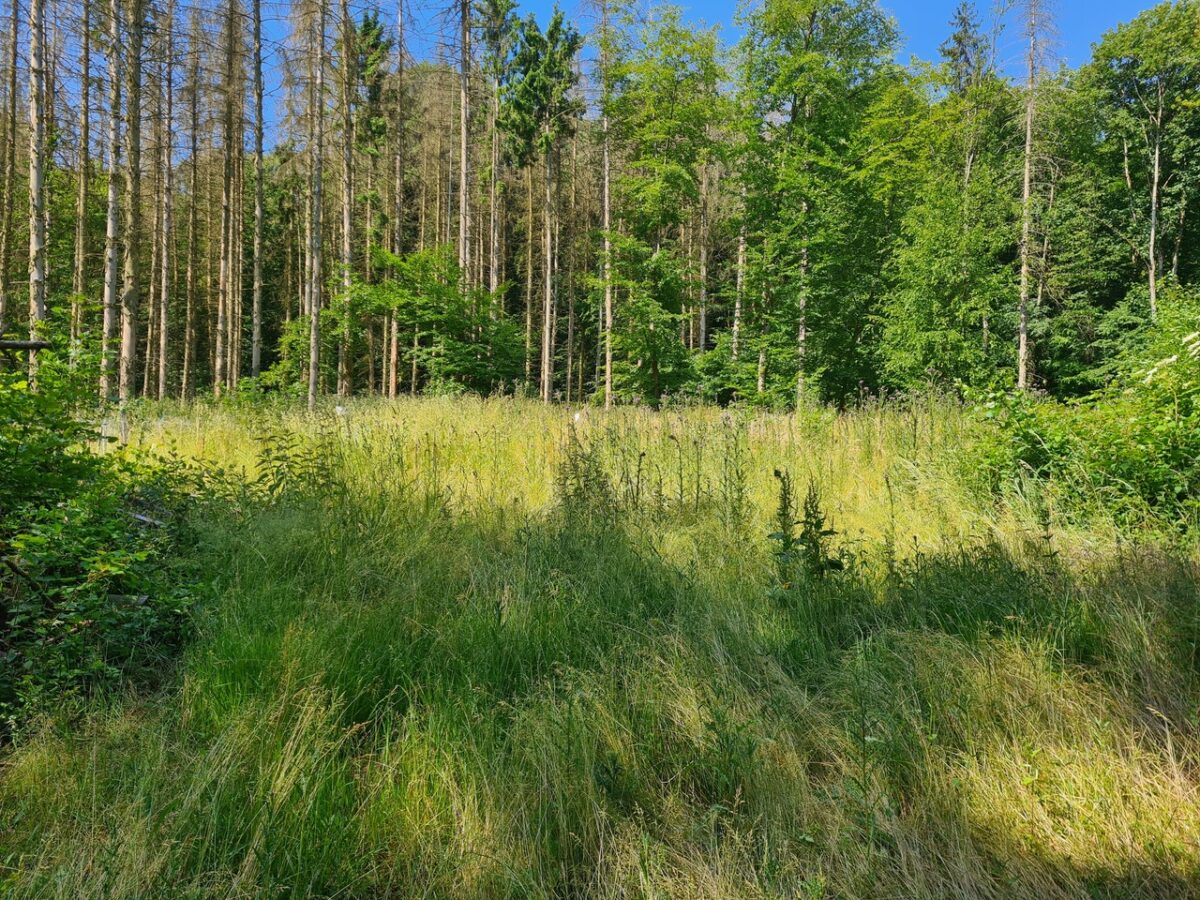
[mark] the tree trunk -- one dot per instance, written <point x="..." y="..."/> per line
<point x="494" y="202"/>
<point x="131" y="279"/>
<point x="37" y="176"/>
<point x="155" y="116"/>
<point x="168" y="202"/>
<point x="1027" y="205"/>
<point x="10" y="166"/>
<point x="740" y="286"/>
<point x="259" y="197"/>
<point x="529" y="275"/>
<point x="802" y="326"/>
<point x="193" y="239"/>
<point x="702" y="239"/>
<point x="314" y="235"/>
<point x="464" y="160"/>
<point x="606" y="214"/>
<point x="108" y="378"/>
<point x="221" y="377"/>
<point x="398" y="246"/>
<point x="344" y="379"/>
<point x="548" y="280"/>
<point x="1152" y="255"/>
<point x="1179" y="232"/>
<point x="79" y="275"/>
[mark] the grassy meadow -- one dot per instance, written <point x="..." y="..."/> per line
<point x="491" y="649"/>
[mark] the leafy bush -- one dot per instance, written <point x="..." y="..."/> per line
<point x="1133" y="447"/>
<point x="90" y="550"/>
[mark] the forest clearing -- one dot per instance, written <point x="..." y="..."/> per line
<point x="456" y="450"/>
<point x="489" y="648"/>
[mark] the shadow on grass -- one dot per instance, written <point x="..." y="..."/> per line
<point x="394" y="699"/>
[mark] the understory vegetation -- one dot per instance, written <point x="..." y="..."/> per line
<point x="488" y="648"/>
<point x="94" y="588"/>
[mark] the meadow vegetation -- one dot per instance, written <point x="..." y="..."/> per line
<point x="860" y="559"/>
<point x="488" y="648"/>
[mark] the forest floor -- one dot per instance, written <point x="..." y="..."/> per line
<point x="468" y="648"/>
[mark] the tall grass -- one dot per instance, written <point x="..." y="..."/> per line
<point x="486" y="649"/>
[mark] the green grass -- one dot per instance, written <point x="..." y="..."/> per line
<point x="481" y="649"/>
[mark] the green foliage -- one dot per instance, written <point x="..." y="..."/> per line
<point x="818" y="221"/>
<point x="454" y="338"/>
<point x="44" y="453"/>
<point x="92" y="547"/>
<point x="372" y="47"/>
<point x="539" y="105"/>
<point x="651" y="282"/>
<point x="1133" y="448"/>
<point x="808" y="554"/>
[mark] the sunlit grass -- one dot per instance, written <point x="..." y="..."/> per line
<point x="433" y="676"/>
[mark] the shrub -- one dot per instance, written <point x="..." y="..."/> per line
<point x="90" y="551"/>
<point x="1133" y="448"/>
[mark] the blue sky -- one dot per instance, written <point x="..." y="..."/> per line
<point x="924" y="23"/>
<point x="1079" y="24"/>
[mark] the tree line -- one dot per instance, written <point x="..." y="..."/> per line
<point x="639" y="213"/>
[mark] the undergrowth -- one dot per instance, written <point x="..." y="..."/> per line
<point x="481" y="649"/>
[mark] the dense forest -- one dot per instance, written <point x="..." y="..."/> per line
<point x="644" y="212"/>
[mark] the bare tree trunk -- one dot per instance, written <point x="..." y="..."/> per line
<point x="193" y="238"/>
<point x="211" y="280"/>
<point x="168" y="201"/>
<point x="606" y="215"/>
<point x="131" y="280"/>
<point x="314" y="236"/>
<point x="739" y="294"/>
<point x="548" y="280"/>
<point x="494" y="201"/>
<point x="1179" y="232"/>
<point x="79" y="279"/>
<point x="37" y="176"/>
<point x="529" y="275"/>
<point x="225" y="287"/>
<point x="1027" y="201"/>
<point x="702" y="239"/>
<point x="570" y="282"/>
<point x="762" y="350"/>
<point x="108" y="378"/>
<point x="464" y="150"/>
<point x="10" y="165"/>
<point x="259" y="199"/>
<point x="398" y="248"/>
<point x="802" y="327"/>
<point x="802" y="348"/>
<point x="1153" y="259"/>
<point x="344" y="380"/>
<point x="154" y="115"/>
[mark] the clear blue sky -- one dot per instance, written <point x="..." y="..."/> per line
<point x="924" y="23"/>
<point x="1078" y="23"/>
